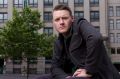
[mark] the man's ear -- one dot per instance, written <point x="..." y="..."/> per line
<point x="72" y="18"/>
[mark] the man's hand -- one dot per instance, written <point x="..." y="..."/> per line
<point x="81" y="73"/>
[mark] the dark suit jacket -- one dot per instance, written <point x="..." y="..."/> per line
<point x="86" y="50"/>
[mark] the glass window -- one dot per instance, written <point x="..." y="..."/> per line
<point x="17" y="60"/>
<point x="118" y="24"/>
<point x="32" y="60"/>
<point x="32" y="71"/>
<point x="47" y="16"/>
<point x="117" y="10"/>
<point x="65" y="2"/>
<point x="78" y="2"/>
<point x="112" y="50"/>
<point x="48" y="3"/>
<point x="3" y="3"/>
<point x="78" y="14"/>
<point x="17" y="70"/>
<point x="111" y="11"/>
<point x="48" y="30"/>
<point x="3" y="17"/>
<point x="112" y="38"/>
<point x="118" y="38"/>
<point x="18" y="3"/>
<point x="94" y="2"/>
<point x="111" y="24"/>
<point x="33" y="3"/>
<point x="118" y="50"/>
<point x="94" y="16"/>
<point x="97" y="28"/>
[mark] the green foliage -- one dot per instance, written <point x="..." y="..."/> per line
<point x="20" y="35"/>
<point x="46" y="48"/>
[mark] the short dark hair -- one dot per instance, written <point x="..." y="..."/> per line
<point x="62" y="7"/>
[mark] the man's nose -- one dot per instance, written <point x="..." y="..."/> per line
<point x="61" y="21"/>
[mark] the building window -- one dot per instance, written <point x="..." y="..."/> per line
<point x="17" y="60"/>
<point x="78" y="14"/>
<point x="18" y="3"/>
<point x="32" y="71"/>
<point x="17" y="70"/>
<point x="117" y="10"/>
<point x="111" y="11"/>
<point x="111" y="24"/>
<point x="48" y="3"/>
<point x="33" y="3"/>
<point x="118" y="24"/>
<point x="48" y="30"/>
<point x="47" y="16"/>
<point x="118" y="50"/>
<point x="78" y="2"/>
<point x="112" y="50"/>
<point x="3" y="3"/>
<point x="97" y="28"/>
<point x="118" y="38"/>
<point x="3" y="17"/>
<point x="32" y="60"/>
<point x="112" y="38"/>
<point x="65" y="2"/>
<point x="94" y="2"/>
<point x="94" y="16"/>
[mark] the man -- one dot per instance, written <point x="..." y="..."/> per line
<point x="79" y="52"/>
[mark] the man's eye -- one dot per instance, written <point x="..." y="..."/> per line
<point x="57" y="19"/>
<point x="65" y="18"/>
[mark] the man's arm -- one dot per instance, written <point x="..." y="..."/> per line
<point x="93" y="43"/>
<point x="56" y="70"/>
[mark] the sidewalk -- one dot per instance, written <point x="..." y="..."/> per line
<point x="17" y="76"/>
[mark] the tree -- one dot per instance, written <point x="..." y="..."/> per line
<point x="20" y="35"/>
<point x="46" y="48"/>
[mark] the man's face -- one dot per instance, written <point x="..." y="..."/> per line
<point x="62" y="21"/>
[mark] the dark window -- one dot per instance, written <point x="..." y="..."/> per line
<point x="97" y="28"/>
<point x="3" y="3"/>
<point x="32" y="71"/>
<point x="118" y="50"/>
<point x="17" y="70"/>
<point x="111" y="11"/>
<point x="48" y="30"/>
<point x="18" y="3"/>
<point x="33" y="3"/>
<point x="111" y="24"/>
<point x="118" y="24"/>
<point x="118" y="38"/>
<point x="78" y="2"/>
<point x="48" y="3"/>
<point x="117" y="10"/>
<point x="48" y="16"/>
<point x="94" y="16"/>
<point x="64" y="2"/>
<point x="112" y="50"/>
<point x="78" y="14"/>
<point x="3" y="17"/>
<point x="17" y="60"/>
<point x="112" y="38"/>
<point x="94" y="2"/>
<point x="32" y="60"/>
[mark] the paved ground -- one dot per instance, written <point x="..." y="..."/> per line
<point x="17" y="76"/>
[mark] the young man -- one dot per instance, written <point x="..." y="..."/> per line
<point x="79" y="52"/>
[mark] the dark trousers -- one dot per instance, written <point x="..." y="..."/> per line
<point x="48" y="76"/>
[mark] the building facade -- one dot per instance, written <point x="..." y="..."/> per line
<point x="103" y="14"/>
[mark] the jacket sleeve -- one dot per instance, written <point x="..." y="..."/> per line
<point x="56" y="69"/>
<point x="93" y="43"/>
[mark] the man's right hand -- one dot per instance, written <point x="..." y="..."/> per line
<point x="81" y="73"/>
